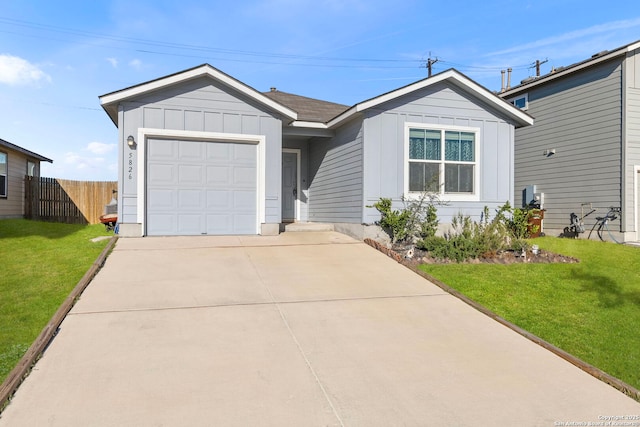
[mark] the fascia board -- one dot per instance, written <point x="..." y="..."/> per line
<point x="303" y="124"/>
<point x="205" y="70"/>
<point x="586" y="64"/>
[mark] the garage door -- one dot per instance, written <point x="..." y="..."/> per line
<point x="196" y="187"/>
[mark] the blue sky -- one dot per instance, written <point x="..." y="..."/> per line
<point x="57" y="57"/>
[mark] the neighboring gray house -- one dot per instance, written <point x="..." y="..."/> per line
<point x="585" y="144"/>
<point x="208" y="154"/>
<point x="16" y="163"/>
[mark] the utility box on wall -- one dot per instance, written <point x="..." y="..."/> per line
<point x="531" y="198"/>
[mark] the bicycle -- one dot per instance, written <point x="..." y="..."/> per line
<point x="577" y="223"/>
<point x="602" y="224"/>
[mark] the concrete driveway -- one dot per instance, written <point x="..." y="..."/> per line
<point x="301" y="329"/>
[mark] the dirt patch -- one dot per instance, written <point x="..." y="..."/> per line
<point x="404" y="254"/>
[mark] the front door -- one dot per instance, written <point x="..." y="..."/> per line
<point x="289" y="185"/>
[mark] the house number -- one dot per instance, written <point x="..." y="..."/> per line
<point x="130" y="166"/>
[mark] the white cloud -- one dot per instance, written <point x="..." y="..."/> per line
<point x="136" y="64"/>
<point x="113" y="62"/>
<point x="100" y="148"/>
<point x="17" y="71"/>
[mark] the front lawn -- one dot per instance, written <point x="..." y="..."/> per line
<point x="590" y="309"/>
<point x="41" y="263"/>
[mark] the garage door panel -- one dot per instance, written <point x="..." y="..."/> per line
<point x="244" y="177"/>
<point x="190" y="223"/>
<point x="219" y="201"/>
<point x="244" y="201"/>
<point x="161" y="224"/>
<point x="244" y="154"/>
<point x="161" y="149"/>
<point x="218" y="175"/>
<point x="221" y="152"/>
<point x="191" y="200"/>
<point x="197" y="187"/>
<point x="162" y="173"/>
<point x="190" y="150"/>
<point x="190" y="174"/>
<point x="161" y="200"/>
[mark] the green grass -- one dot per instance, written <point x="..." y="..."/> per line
<point x="590" y="309"/>
<point x="41" y="263"/>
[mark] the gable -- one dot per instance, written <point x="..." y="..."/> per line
<point x="111" y="100"/>
<point x="201" y="94"/>
<point x="441" y="101"/>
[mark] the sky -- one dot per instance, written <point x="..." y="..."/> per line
<point x="58" y="57"/>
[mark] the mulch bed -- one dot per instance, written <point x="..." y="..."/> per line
<point x="408" y="254"/>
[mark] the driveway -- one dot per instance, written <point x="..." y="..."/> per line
<point x="301" y="329"/>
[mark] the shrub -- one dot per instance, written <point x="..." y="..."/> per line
<point x="417" y="220"/>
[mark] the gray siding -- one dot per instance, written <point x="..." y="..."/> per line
<point x="438" y="105"/>
<point x="580" y="117"/>
<point x="335" y="176"/>
<point x="200" y="105"/>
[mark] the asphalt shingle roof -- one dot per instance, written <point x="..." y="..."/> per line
<point x="308" y="109"/>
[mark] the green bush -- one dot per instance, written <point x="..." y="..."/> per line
<point x="417" y="220"/>
<point x="394" y="222"/>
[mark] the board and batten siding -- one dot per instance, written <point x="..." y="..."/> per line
<point x="335" y="176"/>
<point x="438" y="105"/>
<point x="580" y="118"/>
<point x="206" y="106"/>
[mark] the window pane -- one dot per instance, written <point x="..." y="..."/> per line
<point x="3" y="186"/>
<point x="31" y="168"/>
<point x="458" y="178"/>
<point x="459" y="146"/>
<point x="467" y="146"/>
<point x="424" y="144"/>
<point x="424" y="176"/>
<point x="3" y="163"/>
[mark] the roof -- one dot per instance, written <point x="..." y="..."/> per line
<point x="24" y="151"/>
<point x="308" y="109"/>
<point x="596" y="59"/>
<point x="111" y="100"/>
<point x="452" y="76"/>
<point x="314" y="113"/>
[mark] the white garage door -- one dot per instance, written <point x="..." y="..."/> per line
<point x="196" y="187"/>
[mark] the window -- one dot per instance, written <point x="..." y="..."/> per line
<point x="31" y="168"/>
<point x="521" y="101"/>
<point x="442" y="160"/>
<point x="3" y="174"/>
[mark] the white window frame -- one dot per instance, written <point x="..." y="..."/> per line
<point x="4" y="192"/>
<point x="513" y="100"/>
<point x="475" y="195"/>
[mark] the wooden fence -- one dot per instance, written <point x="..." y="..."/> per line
<point x="61" y="200"/>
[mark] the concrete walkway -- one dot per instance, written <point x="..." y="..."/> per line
<point x="301" y="329"/>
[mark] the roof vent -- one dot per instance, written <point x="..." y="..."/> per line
<point x="595" y="55"/>
<point x="273" y="89"/>
<point x="528" y="80"/>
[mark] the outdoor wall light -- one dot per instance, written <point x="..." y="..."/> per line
<point x="549" y="153"/>
<point x="130" y="141"/>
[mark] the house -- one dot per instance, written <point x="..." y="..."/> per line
<point x="203" y="153"/>
<point x="584" y="150"/>
<point x="16" y="163"/>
